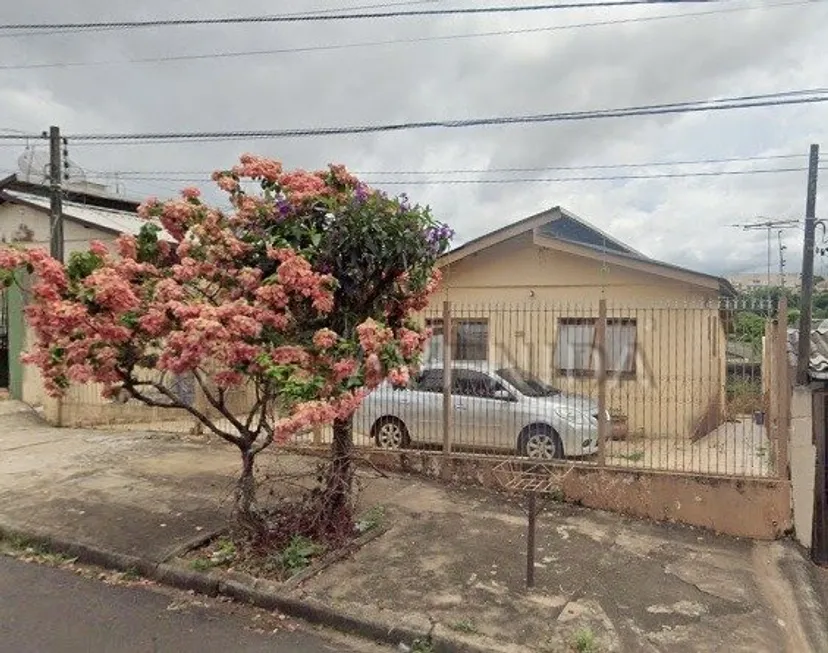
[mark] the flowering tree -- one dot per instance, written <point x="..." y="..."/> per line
<point x="303" y="293"/>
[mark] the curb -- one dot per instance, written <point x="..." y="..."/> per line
<point x="257" y="592"/>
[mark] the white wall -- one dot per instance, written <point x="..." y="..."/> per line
<point x="76" y="236"/>
<point x="803" y="461"/>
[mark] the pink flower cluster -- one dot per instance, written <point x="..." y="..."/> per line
<point x="256" y="167"/>
<point x="325" y="338"/>
<point x="295" y="272"/>
<point x="201" y="305"/>
<point x="372" y="336"/>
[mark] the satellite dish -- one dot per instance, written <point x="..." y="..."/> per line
<point x="33" y="167"/>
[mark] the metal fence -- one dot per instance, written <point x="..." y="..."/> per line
<point x="676" y="387"/>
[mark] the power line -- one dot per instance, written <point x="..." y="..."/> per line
<point x="602" y="166"/>
<point x="319" y="17"/>
<point x="51" y="32"/>
<point x="368" y="44"/>
<point x="748" y="101"/>
<point x="523" y="180"/>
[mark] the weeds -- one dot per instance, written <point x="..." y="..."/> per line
<point x="422" y="646"/>
<point x="464" y="626"/>
<point x="225" y="552"/>
<point x="633" y="457"/>
<point x="372" y="519"/>
<point x="201" y="564"/>
<point x="131" y="574"/>
<point x="297" y="555"/>
<point x="584" y="641"/>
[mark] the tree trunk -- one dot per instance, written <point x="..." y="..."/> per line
<point x="245" y="510"/>
<point x="335" y="511"/>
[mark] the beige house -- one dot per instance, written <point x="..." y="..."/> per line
<point x="528" y="295"/>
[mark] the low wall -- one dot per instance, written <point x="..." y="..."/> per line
<point x="803" y="462"/>
<point x="758" y="508"/>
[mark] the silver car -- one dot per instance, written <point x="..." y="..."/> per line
<point x="493" y="409"/>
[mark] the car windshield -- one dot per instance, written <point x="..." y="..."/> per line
<point x="527" y="384"/>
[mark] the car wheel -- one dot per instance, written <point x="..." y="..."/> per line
<point x="541" y="443"/>
<point x="390" y="433"/>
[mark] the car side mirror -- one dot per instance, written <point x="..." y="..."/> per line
<point x="503" y="395"/>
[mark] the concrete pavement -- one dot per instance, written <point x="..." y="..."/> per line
<point x="451" y="555"/>
<point x="48" y="610"/>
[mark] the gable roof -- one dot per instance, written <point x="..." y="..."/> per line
<point x="559" y="227"/>
<point x="109" y="220"/>
<point x="72" y="193"/>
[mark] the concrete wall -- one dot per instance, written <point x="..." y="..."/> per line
<point x="742" y="507"/>
<point x="803" y="462"/>
<point x="523" y="290"/>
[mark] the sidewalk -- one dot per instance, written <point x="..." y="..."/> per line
<point x="453" y="555"/>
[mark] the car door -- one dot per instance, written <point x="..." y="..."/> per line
<point x="480" y="416"/>
<point x="422" y="408"/>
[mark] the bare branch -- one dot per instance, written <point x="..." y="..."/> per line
<point x="220" y="406"/>
<point x="131" y="386"/>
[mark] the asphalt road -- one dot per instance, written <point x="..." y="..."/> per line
<point x="49" y="610"/>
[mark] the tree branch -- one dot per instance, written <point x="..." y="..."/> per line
<point x="220" y="406"/>
<point x="268" y="429"/>
<point x="131" y="386"/>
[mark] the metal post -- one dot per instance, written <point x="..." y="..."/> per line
<point x="783" y="389"/>
<point x="56" y="203"/>
<point x="530" y="542"/>
<point x="804" y="349"/>
<point x="447" y="404"/>
<point x="600" y="350"/>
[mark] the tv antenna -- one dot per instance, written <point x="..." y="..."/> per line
<point x="769" y="225"/>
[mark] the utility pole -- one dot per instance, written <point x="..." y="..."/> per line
<point x="804" y="349"/>
<point x="56" y="203"/>
<point x="782" y="248"/>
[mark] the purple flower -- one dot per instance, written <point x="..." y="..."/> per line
<point x="284" y="207"/>
<point x="438" y="235"/>
<point x="361" y="193"/>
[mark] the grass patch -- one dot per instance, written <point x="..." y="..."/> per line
<point x="297" y="555"/>
<point x="371" y="520"/>
<point x="584" y="641"/>
<point x="28" y="551"/>
<point x="131" y="574"/>
<point x="201" y="564"/>
<point x="422" y="646"/>
<point x="464" y="626"/>
<point x="634" y="457"/>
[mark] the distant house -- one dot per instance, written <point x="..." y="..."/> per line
<point x="89" y="213"/>
<point x="528" y="295"/>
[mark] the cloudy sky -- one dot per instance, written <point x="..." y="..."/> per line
<point x="568" y="63"/>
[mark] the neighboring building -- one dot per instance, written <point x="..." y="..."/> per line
<point x="89" y="214"/>
<point x="528" y="295"/>
<point x="755" y="280"/>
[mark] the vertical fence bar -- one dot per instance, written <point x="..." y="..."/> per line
<point x="447" y="377"/>
<point x="780" y="380"/>
<point x="600" y="347"/>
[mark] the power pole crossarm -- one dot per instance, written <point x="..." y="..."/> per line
<point x="56" y="203"/>
<point x="804" y="348"/>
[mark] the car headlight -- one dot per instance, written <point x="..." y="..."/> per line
<point x="573" y="416"/>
